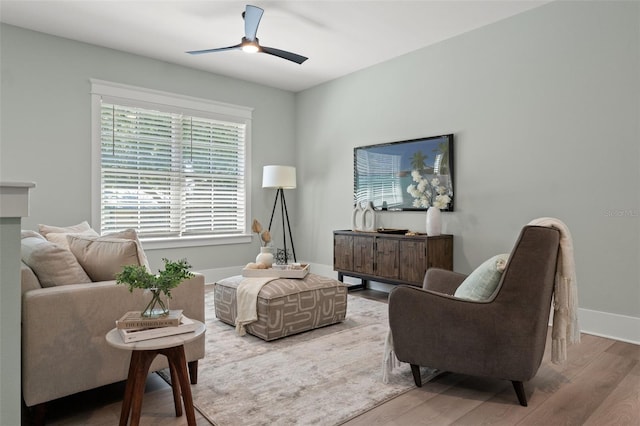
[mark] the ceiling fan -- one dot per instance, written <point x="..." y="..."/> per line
<point x="250" y="43"/>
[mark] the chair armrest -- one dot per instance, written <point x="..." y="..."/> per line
<point x="442" y="280"/>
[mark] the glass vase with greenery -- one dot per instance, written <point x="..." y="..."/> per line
<point x="137" y="276"/>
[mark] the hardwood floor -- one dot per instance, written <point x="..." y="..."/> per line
<point x="599" y="385"/>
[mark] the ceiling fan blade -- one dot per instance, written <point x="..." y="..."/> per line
<point x="219" y="49"/>
<point x="251" y="16"/>
<point x="298" y="59"/>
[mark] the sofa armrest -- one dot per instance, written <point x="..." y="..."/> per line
<point x="64" y="350"/>
<point x="28" y="278"/>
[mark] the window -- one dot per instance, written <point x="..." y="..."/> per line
<point x="171" y="167"/>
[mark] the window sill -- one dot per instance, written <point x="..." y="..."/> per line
<point x="165" y="243"/>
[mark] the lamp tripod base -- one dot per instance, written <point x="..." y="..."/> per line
<point x="285" y="214"/>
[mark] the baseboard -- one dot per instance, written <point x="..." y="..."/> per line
<point x="213" y="275"/>
<point x="612" y="326"/>
<point x="603" y="324"/>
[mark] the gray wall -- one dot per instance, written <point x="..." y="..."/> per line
<point x="544" y="107"/>
<point x="46" y="134"/>
<point x="545" y="111"/>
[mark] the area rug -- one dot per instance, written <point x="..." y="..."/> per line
<point x="322" y="377"/>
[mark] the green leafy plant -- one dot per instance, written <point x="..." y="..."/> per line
<point x="137" y="276"/>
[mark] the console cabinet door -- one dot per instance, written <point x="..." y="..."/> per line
<point x="413" y="261"/>
<point x="343" y="252"/>
<point x="363" y="255"/>
<point x="387" y="258"/>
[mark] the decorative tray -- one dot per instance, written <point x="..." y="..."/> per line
<point x="279" y="271"/>
<point x="391" y="231"/>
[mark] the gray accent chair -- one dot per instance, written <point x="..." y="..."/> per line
<point x="503" y="337"/>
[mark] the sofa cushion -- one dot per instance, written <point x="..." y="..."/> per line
<point x="81" y="227"/>
<point x="483" y="281"/>
<point x="104" y="257"/>
<point x="52" y="264"/>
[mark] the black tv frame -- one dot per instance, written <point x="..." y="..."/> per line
<point x="396" y="159"/>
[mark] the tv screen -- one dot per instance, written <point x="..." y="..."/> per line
<point x="405" y="175"/>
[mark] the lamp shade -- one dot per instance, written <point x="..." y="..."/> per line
<point x="279" y="177"/>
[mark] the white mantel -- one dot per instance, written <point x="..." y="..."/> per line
<point x="14" y="205"/>
<point x="14" y="198"/>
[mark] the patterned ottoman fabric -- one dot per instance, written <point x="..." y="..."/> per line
<point x="286" y="306"/>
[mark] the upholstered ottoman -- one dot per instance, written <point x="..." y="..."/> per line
<point x="286" y="306"/>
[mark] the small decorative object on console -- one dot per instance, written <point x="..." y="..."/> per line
<point x="434" y="221"/>
<point x="391" y="231"/>
<point x="363" y="218"/>
<point x="160" y="285"/>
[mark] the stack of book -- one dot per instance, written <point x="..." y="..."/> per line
<point x="133" y="327"/>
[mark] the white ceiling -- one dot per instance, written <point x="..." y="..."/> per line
<point x="339" y="37"/>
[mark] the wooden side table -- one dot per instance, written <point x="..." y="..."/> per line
<point x="143" y="353"/>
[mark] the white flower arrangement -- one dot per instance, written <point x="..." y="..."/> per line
<point x="428" y="194"/>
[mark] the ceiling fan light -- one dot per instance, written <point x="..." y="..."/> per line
<point x="250" y="46"/>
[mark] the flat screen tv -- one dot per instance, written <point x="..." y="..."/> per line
<point x="405" y="175"/>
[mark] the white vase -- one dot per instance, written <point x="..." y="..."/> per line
<point x="369" y="218"/>
<point x="434" y="222"/>
<point x="265" y="256"/>
<point x="356" y="218"/>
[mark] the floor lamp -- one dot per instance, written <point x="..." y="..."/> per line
<point x="281" y="178"/>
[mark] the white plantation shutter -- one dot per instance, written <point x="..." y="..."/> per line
<point x="171" y="174"/>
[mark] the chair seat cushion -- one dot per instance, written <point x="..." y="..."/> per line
<point x="483" y="281"/>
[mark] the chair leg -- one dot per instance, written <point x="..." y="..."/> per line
<point x="193" y="372"/>
<point x="415" y="370"/>
<point x="38" y="414"/>
<point x="519" y="388"/>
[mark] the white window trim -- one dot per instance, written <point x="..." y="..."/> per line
<point x="147" y="98"/>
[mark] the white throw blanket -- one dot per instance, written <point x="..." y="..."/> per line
<point x="565" y="326"/>
<point x="390" y="361"/>
<point x="247" y="301"/>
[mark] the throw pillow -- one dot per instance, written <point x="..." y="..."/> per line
<point x="131" y="234"/>
<point x="52" y="264"/>
<point x="60" y="238"/>
<point x="104" y="257"/>
<point x="81" y="227"/>
<point x="483" y="281"/>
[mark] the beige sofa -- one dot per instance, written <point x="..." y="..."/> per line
<point x="64" y="350"/>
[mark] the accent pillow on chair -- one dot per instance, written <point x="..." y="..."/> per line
<point x="483" y="281"/>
